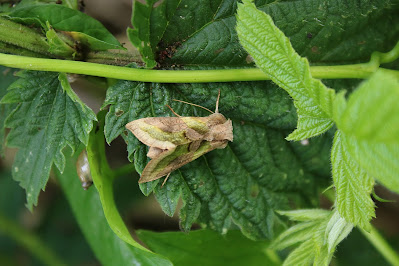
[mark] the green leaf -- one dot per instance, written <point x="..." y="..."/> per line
<point x="371" y="125"/>
<point x="6" y="78"/>
<point x="319" y="239"/>
<point x="337" y="229"/>
<point x="274" y="55"/>
<point x="48" y="117"/>
<point x="187" y="249"/>
<point x="78" y="25"/>
<point x="302" y="255"/>
<point x="248" y="197"/>
<point x="293" y="235"/>
<point x="150" y="19"/>
<point x="324" y="32"/>
<point x="353" y="185"/>
<point x="106" y="245"/>
<point x="305" y="215"/>
<point x="371" y="111"/>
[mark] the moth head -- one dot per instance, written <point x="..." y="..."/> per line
<point x="220" y="128"/>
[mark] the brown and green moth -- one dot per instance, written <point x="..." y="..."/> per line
<point x="176" y="141"/>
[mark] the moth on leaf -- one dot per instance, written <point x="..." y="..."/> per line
<point x="176" y="141"/>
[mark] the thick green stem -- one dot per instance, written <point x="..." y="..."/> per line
<point x="29" y="241"/>
<point x="382" y="246"/>
<point x="173" y="76"/>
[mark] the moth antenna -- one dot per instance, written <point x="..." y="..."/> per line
<point x="173" y="111"/>
<point x="193" y="105"/>
<point x="166" y="179"/>
<point x="217" y="103"/>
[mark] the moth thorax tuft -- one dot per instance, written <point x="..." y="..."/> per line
<point x="220" y="131"/>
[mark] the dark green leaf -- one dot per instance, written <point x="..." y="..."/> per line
<point x="241" y="184"/>
<point x="78" y="25"/>
<point x="205" y="247"/>
<point x="6" y="78"/>
<point x="107" y="246"/>
<point x="324" y="32"/>
<point x="48" y="117"/>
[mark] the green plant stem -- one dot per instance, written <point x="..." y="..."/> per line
<point x="381" y="245"/>
<point x="29" y="241"/>
<point x="173" y="76"/>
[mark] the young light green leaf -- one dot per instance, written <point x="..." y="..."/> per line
<point x="370" y="122"/>
<point x="295" y="234"/>
<point x="79" y="26"/>
<point x="48" y="117"/>
<point x="306" y="215"/>
<point x="319" y="238"/>
<point x="273" y="54"/>
<point x="371" y="113"/>
<point x="337" y="229"/>
<point x="302" y="255"/>
<point x="353" y="185"/>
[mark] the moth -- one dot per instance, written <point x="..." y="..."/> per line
<point x="176" y="141"/>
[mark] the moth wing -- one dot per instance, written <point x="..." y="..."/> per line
<point x="151" y="132"/>
<point x="170" y="160"/>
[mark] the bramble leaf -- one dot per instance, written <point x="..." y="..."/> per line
<point x="239" y="184"/>
<point x="48" y="117"/>
<point x="319" y="238"/>
<point x="370" y="123"/>
<point x="366" y="146"/>
<point x="274" y="55"/>
<point x="353" y="185"/>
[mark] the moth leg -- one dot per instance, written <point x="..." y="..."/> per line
<point x="166" y="178"/>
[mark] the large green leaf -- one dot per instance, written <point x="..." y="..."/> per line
<point x="188" y="249"/>
<point x="80" y="26"/>
<point x="242" y="184"/>
<point x="323" y="31"/>
<point x="106" y="245"/>
<point x="48" y="117"/>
